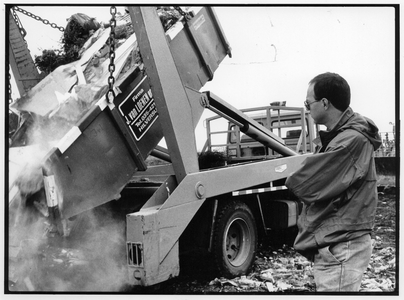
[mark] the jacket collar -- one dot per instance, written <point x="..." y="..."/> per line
<point x="326" y="136"/>
<point x="346" y="115"/>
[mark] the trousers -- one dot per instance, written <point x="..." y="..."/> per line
<point x="340" y="267"/>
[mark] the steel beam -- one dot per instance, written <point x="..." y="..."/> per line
<point x="159" y="225"/>
<point x="22" y="65"/>
<point x="170" y="95"/>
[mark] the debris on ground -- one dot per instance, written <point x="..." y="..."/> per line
<point x="280" y="269"/>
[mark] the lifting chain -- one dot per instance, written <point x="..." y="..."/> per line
<point x="18" y="22"/>
<point x="10" y="99"/>
<point x="111" y="68"/>
<point x="187" y="16"/>
<point x="46" y="22"/>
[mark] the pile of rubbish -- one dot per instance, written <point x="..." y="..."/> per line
<point x="286" y="271"/>
<point x="71" y="89"/>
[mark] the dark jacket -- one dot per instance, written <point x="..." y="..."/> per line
<point x="337" y="185"/>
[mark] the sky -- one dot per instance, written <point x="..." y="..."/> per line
<point x="277" y="50"/>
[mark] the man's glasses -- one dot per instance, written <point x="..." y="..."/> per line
<point x="307" y="103"/>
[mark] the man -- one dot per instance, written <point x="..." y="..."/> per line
<point x="337" y="186"/>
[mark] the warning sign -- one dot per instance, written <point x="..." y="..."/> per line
<point x="139" y="110"/>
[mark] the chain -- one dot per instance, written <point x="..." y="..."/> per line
<point x="111" y="68"/>
<point x="19" y="25"/>
<point x="46" y="22"/>
<point x="182" y="13"/>
<point x="10" y="99"/>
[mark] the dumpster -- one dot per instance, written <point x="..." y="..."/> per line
<point x="100" y="154"/>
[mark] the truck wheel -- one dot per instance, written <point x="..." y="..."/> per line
<point x="234" y="239"/>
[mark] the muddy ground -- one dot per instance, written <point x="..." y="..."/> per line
<point x="62" y="267"/>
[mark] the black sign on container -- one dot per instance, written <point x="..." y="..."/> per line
<point x="139" y="109"/>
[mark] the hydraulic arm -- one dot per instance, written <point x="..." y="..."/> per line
<point x="247" y="125"/>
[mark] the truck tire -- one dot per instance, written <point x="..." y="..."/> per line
<point x="234" y="239"/>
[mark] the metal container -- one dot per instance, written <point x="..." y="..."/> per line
<point x="96" y="159"/>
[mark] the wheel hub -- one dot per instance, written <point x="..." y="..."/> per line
<point x="237" y="242"/>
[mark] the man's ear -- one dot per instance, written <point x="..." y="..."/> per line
<point x="326" y="103"/>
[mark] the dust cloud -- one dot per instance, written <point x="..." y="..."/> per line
<point x="91" y="257"/>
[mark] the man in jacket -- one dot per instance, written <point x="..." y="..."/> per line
<point x="337" y="186"/>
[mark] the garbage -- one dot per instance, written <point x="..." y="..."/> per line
<point x="242" y="282"/>
<point x="56" y="89"/>
<point x="57" y="102"/>
<point x="283" y="285"/>
<point x="266" y="275"/>
<point x="270" y="286"/>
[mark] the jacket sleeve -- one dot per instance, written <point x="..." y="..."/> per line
<point x="324" y="176"/>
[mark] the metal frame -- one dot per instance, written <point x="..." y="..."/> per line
<point x="170" y="95"/>
<point x="161" y="221"/>
<point x="306" y="135"/>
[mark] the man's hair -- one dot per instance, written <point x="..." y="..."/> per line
<point x="333" y="87"/>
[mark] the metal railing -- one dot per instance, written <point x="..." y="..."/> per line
<point x="388" y="147"/>
<point x="235" y="144"/>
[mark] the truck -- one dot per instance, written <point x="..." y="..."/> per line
<point x="102" y="160"/>
<point x="285" y="121"/>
